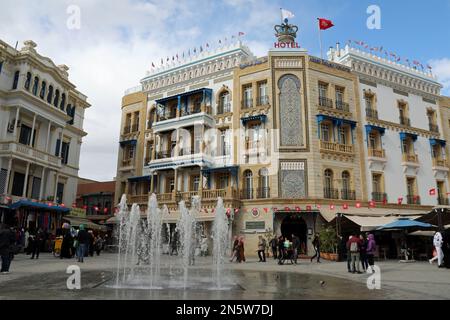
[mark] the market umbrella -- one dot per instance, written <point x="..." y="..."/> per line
<point x="404" y="224"/>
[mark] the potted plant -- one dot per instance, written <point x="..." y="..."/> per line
<point x="328" y="244"/>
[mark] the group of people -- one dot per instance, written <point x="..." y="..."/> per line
<point x="361" y="250"/>
<point x="238" y="251"/>
<point x="80" y="243"/>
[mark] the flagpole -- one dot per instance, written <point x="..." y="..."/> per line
<point x="320" y="39"/>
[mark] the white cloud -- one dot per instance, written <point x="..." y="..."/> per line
<point x="441" y="68"/>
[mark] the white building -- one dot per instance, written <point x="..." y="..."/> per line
<point x="404" y="146"/>
<point x="41" y="130"/>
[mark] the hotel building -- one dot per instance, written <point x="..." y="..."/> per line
<point x="41" y="121"/>
<point x="284" y="139"/>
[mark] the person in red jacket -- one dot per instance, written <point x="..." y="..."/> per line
<point x="354" y="246"/>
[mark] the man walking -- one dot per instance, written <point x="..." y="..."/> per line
<point x="262" y="249"/>
<point x="437" y="242"/>
<point x="37" y="244"/>
<point x="7" y="240"/>
<point x="316" y="245"/>
<point x="354" y="244"/>
<point x="273" y="244"/>
<point x="83" y="241"/>
<point x="296" y="247"/>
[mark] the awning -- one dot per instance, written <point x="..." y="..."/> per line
<point x="404" y="135"/>
<point x="232" y="169"/>
<point x="434" y="142"/>
<point x="38" y="206"/>
<point x="336" y="121"/>
<point x="185" y="94"/>
<point x="370" y="223"/>
<point x="370" y="128"/>
<point x="260" y="117"/>
<point x="132" y="142"/>
<point x="140" y="179"/>
<point x="76" y="221"/>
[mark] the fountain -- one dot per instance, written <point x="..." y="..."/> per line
<point x="140" y="241"/>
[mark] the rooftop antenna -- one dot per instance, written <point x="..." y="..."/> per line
<point x="17" y="43"/>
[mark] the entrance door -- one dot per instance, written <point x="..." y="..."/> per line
<point x="295" y="224"/>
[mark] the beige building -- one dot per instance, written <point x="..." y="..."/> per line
<point x="278" y="137"/>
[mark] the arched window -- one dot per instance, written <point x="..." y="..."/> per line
<point x="56" y="100"/>
<point x="16" y="80"/>
<point x="224" y="103"/>
<point x="328" y="184"/>
<point x="28" y="81"/>
<point x="347" y="194"/>
<point x="35" y="86"/>
<point x="50" y="94"/>
<point x="43" y="89"/>
<point x="263" y="183"/>
<point x="63" y="101"/>
<point x="248" y="184"/>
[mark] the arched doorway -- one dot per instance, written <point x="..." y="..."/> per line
<point x="294" y="224"/>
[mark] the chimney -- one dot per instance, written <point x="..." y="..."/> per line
<point x="338" y="49"/>
<point x="331" y="53"/>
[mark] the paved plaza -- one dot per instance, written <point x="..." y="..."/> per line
<point x="46" y="279"/>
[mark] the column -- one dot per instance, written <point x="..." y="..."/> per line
<point x="61" y="135"/>
<point x="56" y="187"/>
<point x="32" y="130"/>
<point x="176" y="152"/>
<point x="8" y="175"/>
<point x="175" y="180"/>
<point x="41" y="188"/>
<point x="15" y="123"/>
<point x="25" y="183"/>
<point x="47" y="142"/>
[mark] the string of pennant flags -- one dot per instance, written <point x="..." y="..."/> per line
<point x="389" y="55"/>
<point x="195" y="51"/>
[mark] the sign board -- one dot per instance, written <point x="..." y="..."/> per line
<point x="78" y="212"/>
<point x="255" y="225"/>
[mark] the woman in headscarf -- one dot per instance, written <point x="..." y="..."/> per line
<point x="67" y="243"/>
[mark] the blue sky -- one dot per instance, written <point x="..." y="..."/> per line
<point x="118" y="41"/>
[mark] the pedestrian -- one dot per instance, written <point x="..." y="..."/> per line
<point x="296" y="247"/>
<point x="98" y="244"/>
<point x="241" y="250"/>
<point x="262" y="249"/>
<point x="7" y="240"/>
<point x="27" y="242"/>
<point x="67" y="244"/>
<point x="438" y="242"/>
<point x="37" y="244"/>
<point x="281" y="251"/>
<point x="370" y="251"/>
<point x="316" y="245"/>
<point x="355" y="246"/>
<point x="235" y="250"/>
<point x="83" y="242"/>
<point x="349" y="255"/>
<point x="91" y="247"/>
<point x="362" y="253"/>
<point x="273" y="245"/>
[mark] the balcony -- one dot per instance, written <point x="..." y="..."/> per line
<point x="405" y="121"/>
<point x="195" y="115"/>
<point x="163" y="154"/>
<point x="413" y="199"/>
<point x="348" y="194"/>
<point x="126" y="129"/>
<point x="440" y="163"/>
<point x="29" y="153"/>
<point x="443" y="201"/>
<point x="371" y="113"/>
<point x="325" y="102"/>
<point x="329" y="193"/>
<point x="410" y="158"/>
<point x="433" y="127"/>
<point x="127" y="162"/>
<point x="224" y="108"/>
<point x="247" y="103"/>
<point x="376" y="153"/>
<point x="263" y="101"/>
<point x="247" y="194"/>
<point x="379" y="196"/>
<point x="336" y="147"/>
<point x="263" y="193"/>
<point x="343" y="106"/>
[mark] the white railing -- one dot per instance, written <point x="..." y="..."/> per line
<point x="133" y="90"/>
<point x="30" y="153"/>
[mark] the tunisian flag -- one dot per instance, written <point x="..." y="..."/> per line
<point x="325" y="24"/>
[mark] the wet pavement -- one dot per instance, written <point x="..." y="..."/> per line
<point x="46" y="279"/>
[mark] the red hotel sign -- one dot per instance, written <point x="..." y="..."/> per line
<point x="286" y="45"/>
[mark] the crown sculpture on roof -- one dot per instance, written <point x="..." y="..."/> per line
<point x="286" y="32"/>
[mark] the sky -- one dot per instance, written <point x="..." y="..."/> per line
<point x="117" y="41"/>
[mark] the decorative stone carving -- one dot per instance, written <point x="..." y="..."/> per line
<point x="291" y="126"/>
<point x="293" y="180"/>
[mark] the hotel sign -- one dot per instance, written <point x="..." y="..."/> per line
<point x="286" y="45"/>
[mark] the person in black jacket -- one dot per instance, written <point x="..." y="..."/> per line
<point x="7" y="240"/>
<point x="36" y="244"/>
<point x="83" y="242"/>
